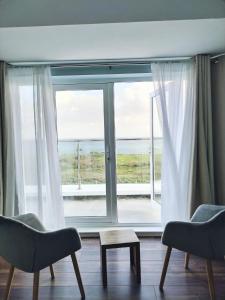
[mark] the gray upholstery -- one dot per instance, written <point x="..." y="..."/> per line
<point x="30" y="220"/>
<point x="25" y="244"/>
<point x="205" y="212"/>
<point x="205" y="238"/>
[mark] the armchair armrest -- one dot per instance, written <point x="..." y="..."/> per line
<point x="31" y="250"/>
<point x="188" y="237"/>
<point x="55" y="245"/>
<point x="17" y="244"/>
<point x="202" y="239"/>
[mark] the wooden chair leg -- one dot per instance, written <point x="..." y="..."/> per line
<point x="210" y="279"/>
<point x="9" y="283"/>
<point x="52" y="272"/>
<point x="165" y="266"/>
<point x="186" y="261"/>
<point x="77" y="272"/>
<point x="36" y="285"/>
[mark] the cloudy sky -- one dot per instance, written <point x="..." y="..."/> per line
<point x="80" y="113"/>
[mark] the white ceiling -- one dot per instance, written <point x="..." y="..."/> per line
<point x="14" y="13"/>
<point x="113" y="40"/>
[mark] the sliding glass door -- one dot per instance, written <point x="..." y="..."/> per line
<point x="84" y="151"/>
<point x="136" y="131"/>
<point x="109" y="143"/>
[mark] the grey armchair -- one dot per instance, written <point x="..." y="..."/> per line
<point x="202" y="214"/>
<point x="26" y="245"/>
<point x="204" y="236"/>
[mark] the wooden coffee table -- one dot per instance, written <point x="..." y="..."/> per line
<point x="118" y="239"/>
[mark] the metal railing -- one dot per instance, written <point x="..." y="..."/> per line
<point x="75" y="154"/>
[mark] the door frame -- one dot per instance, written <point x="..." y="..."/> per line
<point x="76" y="82"/>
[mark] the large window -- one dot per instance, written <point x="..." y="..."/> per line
<point x="110" y="147"/>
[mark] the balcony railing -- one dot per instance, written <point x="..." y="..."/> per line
<point x="82" y="163"/>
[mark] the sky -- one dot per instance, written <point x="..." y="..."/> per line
<point x="80" y="113"/>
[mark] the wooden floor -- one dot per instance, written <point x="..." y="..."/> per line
<point x="179" y="284"/>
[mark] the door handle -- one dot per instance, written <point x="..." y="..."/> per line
<point x="107" y="154"/>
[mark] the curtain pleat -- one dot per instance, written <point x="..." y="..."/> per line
<point x="203" y="172"/>
<point x="175" y="88"/>
<point x="2" y="137"/>
<point x="33" y="162"/>
<point x="218" y="110"/>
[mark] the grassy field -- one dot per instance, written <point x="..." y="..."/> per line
<point x="131" y="168"/>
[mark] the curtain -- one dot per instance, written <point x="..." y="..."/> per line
<point x="33" y="176"/>
<point x="203" y="175"/>
<point x="175" y="94"/>
<point x="2" y="137"/>
<point x="218" y="121"/>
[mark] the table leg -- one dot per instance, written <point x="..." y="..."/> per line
<point x="104" y="266"/>
<point x="138" y="263"/>
<point x="131" y="256"/>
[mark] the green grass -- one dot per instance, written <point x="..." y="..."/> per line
<point x="131" y="168"/>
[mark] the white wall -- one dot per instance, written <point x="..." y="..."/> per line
<point x="15" y="13"/>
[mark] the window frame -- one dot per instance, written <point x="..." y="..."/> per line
<point x="107" y="83"/>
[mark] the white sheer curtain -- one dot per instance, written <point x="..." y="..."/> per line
<point x="175" y="89"/>
<point x="33" y="162"/>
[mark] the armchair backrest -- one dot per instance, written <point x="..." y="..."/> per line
<point x="17" y="243"/>
<point x="206" y="211"/>
<point x="30" y="220"/>
<point x="216" y="229"/>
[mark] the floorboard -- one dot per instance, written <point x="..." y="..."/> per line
<point x="179" y="284"/>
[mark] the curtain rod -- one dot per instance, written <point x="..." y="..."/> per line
<point x="102" y="62"/>
<point x="218" y="55"/>
<point x="95" y="63"/>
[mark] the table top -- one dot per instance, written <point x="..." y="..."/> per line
<point x="118" y="237"/>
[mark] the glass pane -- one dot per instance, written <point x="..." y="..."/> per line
<point x="133" y="153"/>
<point x="80" y="121"/>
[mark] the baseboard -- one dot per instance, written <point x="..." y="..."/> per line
<point x="140" y="231"/>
